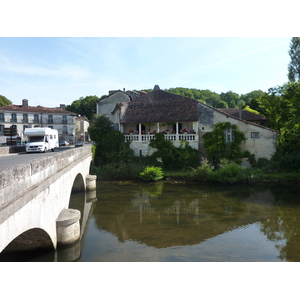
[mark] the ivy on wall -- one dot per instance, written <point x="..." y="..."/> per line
<point x="217" y="146"/>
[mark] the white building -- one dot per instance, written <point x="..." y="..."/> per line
<point x="181" y="118"/>
<point x="82" y="125"/>
<point x="25" y="116"/>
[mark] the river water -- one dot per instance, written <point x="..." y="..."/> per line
<point x="173" y="221"/>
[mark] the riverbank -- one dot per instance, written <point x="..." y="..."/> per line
<point x="265" y="177"/>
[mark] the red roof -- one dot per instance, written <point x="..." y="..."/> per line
<point x="36" y="109"/>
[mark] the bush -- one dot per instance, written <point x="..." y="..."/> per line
<point x="231" y="173"/>
<point x="152" y="174"/>
<point x="118" y="172"/>
<point x="288" y="162"/>
<point x="228" y="174"/>
<point x="174" y="158"/>
<point x="202" y="173"/>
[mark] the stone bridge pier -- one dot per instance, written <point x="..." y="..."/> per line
<point x="35" y="209"/>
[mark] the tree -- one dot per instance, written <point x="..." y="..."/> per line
<point x="4" y="101"/>
<point x="85" y="106"/>
<point x="221" y="104"/>
<point x="231" y="98"/>
<point x="282" y="106"/>
<point x="110" y="144"/>
<point x="294" y="65"/>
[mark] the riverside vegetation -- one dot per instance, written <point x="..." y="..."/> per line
<point x="114" y="159"/>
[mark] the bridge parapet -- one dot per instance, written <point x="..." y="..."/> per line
<point x="18" y="184"/>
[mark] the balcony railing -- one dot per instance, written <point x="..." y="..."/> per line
<point x="169" y="137"/>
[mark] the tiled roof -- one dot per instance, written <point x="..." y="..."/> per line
<point x="161" y="106"/>
<point x="243" y="114"/>
<point x="36" y="109"/>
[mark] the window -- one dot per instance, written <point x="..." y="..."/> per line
<point x="25" y="118"/>
<point x="64" y="120"/>
<point x="13" y="118"/>
<point x="35" y="119"/>
<point x="1" y="129"/>
<point x="2" y="117"/>
<point x="24" y="127"/>
<point x="50" y="119"/>
<point x="65" y="129"/>
<point x="229" y="135"/>
<point x="254" y="135"/>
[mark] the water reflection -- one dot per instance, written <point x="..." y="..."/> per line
<point x="168" y="215"/>
<point x="174" y="221"/>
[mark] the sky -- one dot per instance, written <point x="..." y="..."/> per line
<point x="55" y="54"/>
<point x="50" y="71"/>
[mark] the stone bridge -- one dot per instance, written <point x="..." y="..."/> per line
<point x="35" y="208"/>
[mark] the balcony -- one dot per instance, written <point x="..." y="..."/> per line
<point x="170" y="137"/>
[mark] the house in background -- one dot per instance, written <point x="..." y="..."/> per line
<point x="24" y="116"/>
<point x="180" y="118"/>
<point x="82" y="125"/>
<point x="245" y="115"/>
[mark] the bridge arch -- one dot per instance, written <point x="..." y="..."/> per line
<point x="31" y="240"/>
<point x="78" y="184"/>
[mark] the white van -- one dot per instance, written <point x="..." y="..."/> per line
<point x="41" y="139"/>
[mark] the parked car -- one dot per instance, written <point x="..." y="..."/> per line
<point x="79" y="144"/>
<point x="65" y="143"/>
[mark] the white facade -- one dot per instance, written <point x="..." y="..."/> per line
<point x="24" y="116"/>
<point x="261" y="141"/>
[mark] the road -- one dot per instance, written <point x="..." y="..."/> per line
<point x="12" y="159"/>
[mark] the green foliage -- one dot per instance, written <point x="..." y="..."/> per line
<point x="231" y="98"/>
<point x="4" y="101"/>
<point x="174" y="158"/>
<point x="282" y="105"/>
<point x="294" y="65"/>
<point x="221" y="104"/>
<point x="216" y="146"/>
<point x="247" y="108"/>
<point x="118" y="172"/>
<point x="205" y="96"/>
<point x="202" y="173"/>
<point x="110" y="144"/>
<point x="85" y="106"/>
<point x="99" y="127"/>
<point x="288" y="162"/>
<point x="152" y="174"/>
<point x="229" y="173"/>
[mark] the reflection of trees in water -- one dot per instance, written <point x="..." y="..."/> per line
<point x="283" y="227"/>
<point x="163" y="214"/>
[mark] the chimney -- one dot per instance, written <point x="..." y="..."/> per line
<point x="240" y="113"/>
<point x="24" y="103"/>
<point x="62" y="106"/>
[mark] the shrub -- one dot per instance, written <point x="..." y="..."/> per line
<point x="152" y="174"/>
<point x="228" y="174"/>
<point x="174" y="158"/>
<point x="118" y="172"/>
<point x="202" y="173"/>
